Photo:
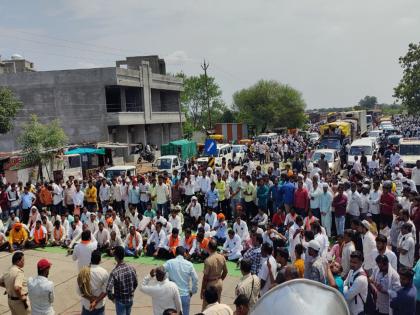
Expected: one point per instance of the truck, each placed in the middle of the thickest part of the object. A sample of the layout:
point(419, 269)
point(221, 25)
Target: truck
point(232, 132)
point(360, 116)
point(409, 150)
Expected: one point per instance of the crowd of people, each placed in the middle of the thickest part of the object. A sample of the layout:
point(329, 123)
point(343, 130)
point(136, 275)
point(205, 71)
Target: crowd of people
point(357, 233)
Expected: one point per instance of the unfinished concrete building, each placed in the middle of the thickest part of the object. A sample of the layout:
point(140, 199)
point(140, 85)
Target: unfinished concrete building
point(134, 102)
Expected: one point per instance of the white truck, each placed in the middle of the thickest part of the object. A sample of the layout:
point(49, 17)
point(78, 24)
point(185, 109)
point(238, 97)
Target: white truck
point(409, 153)
point(360, 116)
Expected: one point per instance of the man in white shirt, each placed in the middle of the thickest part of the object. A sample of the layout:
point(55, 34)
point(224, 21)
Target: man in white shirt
point(356, 284)
point(357, 166)
point(92, 223)
point(241, 229)
point(406, 246)
point(369, 246)
point(57, 196)
point(41, 290)
point(382, 249)
point(374, 199)
point(194, 210)
point(133, 243)
point(115, 195)
point(164, 293)
point(211, 218)
point(233, 246)
point(78, 197)
point(98, 281)
point(156, 241)
point(415, 175)
point(385, 279)
point(354, 204)
point(83, 251)
point(144, 194)
point(348, 248)
point(175, 219)
point(102, 236)
point(162, 196)
point(269, 266)
point(104, 195)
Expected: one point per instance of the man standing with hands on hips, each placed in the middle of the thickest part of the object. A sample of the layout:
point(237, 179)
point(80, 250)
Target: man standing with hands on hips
point(16, 286)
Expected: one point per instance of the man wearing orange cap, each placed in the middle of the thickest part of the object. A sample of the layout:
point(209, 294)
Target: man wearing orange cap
point(221, 229)
point(17, 237)
point(41, 290)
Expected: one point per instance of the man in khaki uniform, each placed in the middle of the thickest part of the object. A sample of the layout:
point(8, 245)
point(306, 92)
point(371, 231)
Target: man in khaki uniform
point(16, 286)
point(215, 271)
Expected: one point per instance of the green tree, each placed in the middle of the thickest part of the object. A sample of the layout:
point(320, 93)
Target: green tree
point(194, 100)
point(270, 104)
point(228, 116)
point(368, 102)
point(9, 107)
point(40, 142)
point(408, 90)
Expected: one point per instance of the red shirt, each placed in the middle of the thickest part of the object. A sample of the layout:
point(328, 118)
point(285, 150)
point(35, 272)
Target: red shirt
point(387, 203)
point(301, 199)
point(278, 220)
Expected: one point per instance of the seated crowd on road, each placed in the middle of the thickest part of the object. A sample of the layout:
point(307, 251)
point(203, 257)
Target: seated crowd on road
point(284, 218)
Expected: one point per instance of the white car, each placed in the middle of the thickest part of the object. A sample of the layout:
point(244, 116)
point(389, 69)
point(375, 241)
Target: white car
point(313, 137)
point(238, 153)
point(168, 163)
point(332, 158)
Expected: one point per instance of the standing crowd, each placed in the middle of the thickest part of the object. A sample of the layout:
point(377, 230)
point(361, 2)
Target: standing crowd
point(290, 219)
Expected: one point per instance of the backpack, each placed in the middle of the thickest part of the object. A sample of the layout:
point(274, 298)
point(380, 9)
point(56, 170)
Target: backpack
point(370, 303)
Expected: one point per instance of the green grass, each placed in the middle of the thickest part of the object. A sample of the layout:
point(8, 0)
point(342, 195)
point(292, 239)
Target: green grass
point(148, 261)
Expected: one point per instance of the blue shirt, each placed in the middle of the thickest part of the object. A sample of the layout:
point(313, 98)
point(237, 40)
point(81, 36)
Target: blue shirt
point(275, 194)
point(339, 282)
point(416, 279)
point(27, 200)
point(405, 302)
point(134, 196)
point(212, 198)
point(262, 195)
point(288, 192)
point(221, 230)
point(181, 271)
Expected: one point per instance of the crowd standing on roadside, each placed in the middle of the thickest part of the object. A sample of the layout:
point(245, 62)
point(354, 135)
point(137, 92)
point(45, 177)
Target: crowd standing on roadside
point(288, 217)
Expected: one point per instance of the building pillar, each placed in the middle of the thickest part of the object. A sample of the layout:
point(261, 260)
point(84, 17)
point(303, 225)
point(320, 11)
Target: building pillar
point(123, 100)
point(147, 92)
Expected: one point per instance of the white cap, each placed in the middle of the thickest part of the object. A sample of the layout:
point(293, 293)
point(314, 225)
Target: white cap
point(366, 224)
point(325, 185)
point(314, 245)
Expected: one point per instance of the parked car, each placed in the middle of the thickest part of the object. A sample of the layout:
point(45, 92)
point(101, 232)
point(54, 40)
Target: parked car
point(332, 157)
point(126, 171)
point(313, 137)
point(239, 153)
point(223, 151)
point(168, 163)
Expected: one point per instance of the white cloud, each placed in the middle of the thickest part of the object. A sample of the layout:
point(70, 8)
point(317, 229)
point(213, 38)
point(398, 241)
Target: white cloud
point(334, 52)
point(178, 57)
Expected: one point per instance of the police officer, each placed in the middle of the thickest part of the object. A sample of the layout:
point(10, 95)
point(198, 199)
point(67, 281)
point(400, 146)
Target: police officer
point(16, 286)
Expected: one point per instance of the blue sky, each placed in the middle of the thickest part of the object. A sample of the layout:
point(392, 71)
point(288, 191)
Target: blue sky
point(334, 52)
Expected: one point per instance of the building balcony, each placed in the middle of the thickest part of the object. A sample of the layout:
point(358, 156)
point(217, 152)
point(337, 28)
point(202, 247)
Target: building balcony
point(138, 118)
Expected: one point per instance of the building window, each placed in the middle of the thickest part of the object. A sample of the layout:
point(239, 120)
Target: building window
point(113, 99)
point(133, 99)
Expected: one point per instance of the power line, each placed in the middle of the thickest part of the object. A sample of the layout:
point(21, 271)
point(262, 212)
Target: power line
point(72, 41)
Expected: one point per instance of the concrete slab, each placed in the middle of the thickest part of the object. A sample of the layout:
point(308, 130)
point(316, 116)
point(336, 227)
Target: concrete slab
point(67, 302)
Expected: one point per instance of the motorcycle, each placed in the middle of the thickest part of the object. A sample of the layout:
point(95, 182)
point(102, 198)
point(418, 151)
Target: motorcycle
point(147, 156)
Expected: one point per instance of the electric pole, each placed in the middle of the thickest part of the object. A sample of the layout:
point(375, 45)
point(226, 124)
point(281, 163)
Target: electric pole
point(205, 66)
